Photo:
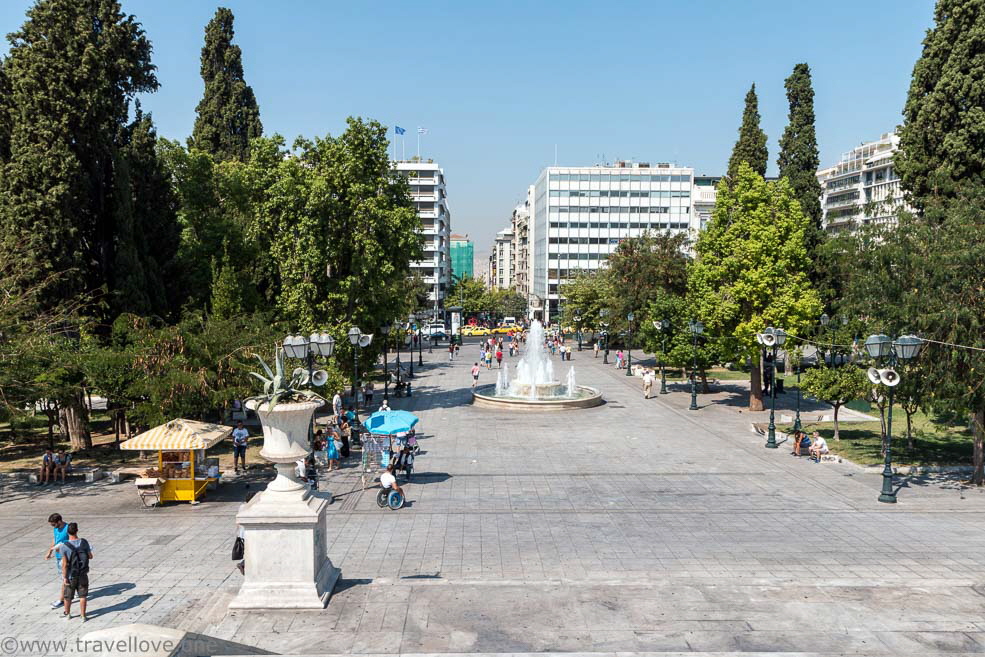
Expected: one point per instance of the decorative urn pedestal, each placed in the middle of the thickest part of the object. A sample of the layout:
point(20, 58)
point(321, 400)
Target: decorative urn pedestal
point(287, 564)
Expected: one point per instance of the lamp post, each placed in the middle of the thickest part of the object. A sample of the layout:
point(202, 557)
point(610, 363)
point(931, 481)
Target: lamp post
point(662, 325)
point(696, 328)
point(420, 339)
point(578, 326)
point(302, 348)
point(399, 340)
point(796, 422)
point(825, 320)
point(774, 338)
point(904, 348)
point(605, 334)
point(385, 331)
point(358, 341)
point(630, 316)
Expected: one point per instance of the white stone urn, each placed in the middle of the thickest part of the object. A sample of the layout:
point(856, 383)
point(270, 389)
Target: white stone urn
point(285, 530)
point(285, 437)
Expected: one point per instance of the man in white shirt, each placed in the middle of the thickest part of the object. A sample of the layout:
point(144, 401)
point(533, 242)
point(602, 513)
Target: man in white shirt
point(389, 480)
point(337, 406)
point(647, 383)
point(819, 446)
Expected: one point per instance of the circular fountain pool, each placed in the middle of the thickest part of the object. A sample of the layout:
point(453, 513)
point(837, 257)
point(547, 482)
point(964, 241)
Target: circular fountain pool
point(534, 386)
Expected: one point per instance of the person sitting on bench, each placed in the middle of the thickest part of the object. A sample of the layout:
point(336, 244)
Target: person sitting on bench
point(61, 464)
point(800, 441)
point(819, 446)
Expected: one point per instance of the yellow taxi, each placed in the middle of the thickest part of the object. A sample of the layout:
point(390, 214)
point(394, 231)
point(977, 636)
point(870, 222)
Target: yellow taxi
point(504, 330)
point(474, 330)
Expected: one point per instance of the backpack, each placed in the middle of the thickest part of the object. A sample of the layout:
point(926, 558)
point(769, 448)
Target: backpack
point(78, 559)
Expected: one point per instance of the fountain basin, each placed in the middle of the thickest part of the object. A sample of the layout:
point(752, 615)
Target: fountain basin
point(587, 397)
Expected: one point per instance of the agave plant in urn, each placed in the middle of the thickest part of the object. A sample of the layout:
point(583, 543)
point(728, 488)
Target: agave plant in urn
point(285, 410)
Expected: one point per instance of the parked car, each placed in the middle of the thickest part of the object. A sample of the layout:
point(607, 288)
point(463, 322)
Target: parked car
point(436, 330)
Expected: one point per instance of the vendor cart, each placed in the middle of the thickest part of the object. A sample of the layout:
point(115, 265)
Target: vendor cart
point(183, 469)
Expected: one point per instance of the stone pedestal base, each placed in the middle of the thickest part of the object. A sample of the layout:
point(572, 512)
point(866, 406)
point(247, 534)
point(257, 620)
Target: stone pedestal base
point(287, 564)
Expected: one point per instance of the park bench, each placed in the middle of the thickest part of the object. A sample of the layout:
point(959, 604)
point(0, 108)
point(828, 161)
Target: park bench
point(118, 475)
point(760, 429)
point(88, 475)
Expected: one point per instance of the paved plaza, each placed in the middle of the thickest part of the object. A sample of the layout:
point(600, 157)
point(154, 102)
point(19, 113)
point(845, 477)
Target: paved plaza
point(637, 526)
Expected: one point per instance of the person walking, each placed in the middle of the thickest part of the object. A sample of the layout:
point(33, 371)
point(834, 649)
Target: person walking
point(489, 357)
point(562, 349)
point(475, 374)
point(596, 348)
point(76, 554)
point(619, 359)
point(332, 450)
point(337, 405)
point(59, 531)
point(451, 351)
point(368, 392)
point(240, 439)
point(648, 379)
point(499, 358)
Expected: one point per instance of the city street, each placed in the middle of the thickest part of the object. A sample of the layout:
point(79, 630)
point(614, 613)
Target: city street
point(636, 526)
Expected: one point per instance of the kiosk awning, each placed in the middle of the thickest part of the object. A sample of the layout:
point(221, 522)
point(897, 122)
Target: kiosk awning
point(179, 434)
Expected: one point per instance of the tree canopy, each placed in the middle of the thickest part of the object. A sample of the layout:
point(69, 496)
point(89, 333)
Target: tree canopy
point(751, 145)
point(228, 114)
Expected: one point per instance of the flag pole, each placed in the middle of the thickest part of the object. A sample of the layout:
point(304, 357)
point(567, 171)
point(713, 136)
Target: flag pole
point(418, 143)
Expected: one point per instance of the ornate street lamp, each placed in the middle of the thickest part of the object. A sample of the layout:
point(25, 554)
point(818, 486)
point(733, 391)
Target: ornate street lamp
point(358, 341)
point(799, 366)
point(385, 331)
point(630, 316)
point(605, 334)
point(774, 338)
point(578, 326)
point(662, 325)
point(696, 328)
point(302, 348)
point(880, 347)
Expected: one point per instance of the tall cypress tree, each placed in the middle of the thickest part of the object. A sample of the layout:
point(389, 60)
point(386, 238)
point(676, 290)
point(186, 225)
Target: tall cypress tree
point(942, 141)
point(4, 115)
point(798, 159)
point(72, 71)
point(228, 114)
point(751, 145)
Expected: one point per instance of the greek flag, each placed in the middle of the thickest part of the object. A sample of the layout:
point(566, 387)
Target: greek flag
point(422, 131)
point(397, 129)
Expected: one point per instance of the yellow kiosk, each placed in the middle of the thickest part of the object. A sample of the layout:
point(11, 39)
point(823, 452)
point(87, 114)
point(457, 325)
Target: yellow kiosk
point(183, 471)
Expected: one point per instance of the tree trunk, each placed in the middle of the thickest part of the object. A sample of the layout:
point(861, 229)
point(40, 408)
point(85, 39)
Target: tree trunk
point(909, 431)
point(74, 422)
point(51, 414)
point(117, 424)
point(756, 388)
point(704, 383)
point(978, 455)
point(837, 408)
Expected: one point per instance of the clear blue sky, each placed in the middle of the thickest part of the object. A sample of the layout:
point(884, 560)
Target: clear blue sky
point(498, 84)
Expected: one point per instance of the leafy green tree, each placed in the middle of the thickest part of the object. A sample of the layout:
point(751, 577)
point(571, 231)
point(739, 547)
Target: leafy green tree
point(941, 143)
point(750, 269)
point(799, 159)
point(228, 114)
point(643, 267)
point(928, 277)
point(588, 291)
point(506, 303)
point(73, 69)
point(227, 297)
point(751, 145)
point(836, 386)
point(469, 293)
point(681, 351)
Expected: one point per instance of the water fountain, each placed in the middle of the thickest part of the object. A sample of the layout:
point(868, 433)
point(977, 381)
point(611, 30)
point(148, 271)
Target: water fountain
point(534, 386)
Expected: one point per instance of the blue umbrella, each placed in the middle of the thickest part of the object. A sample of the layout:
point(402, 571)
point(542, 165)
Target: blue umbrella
point(390, 422)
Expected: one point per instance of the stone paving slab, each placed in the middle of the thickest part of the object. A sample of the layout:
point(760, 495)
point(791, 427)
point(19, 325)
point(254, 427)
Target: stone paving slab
point(635, 527)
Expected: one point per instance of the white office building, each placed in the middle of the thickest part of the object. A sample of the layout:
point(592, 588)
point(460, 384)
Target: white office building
point(503, 261)
point(862, 187)
point(427, 189)
point(580, 214)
